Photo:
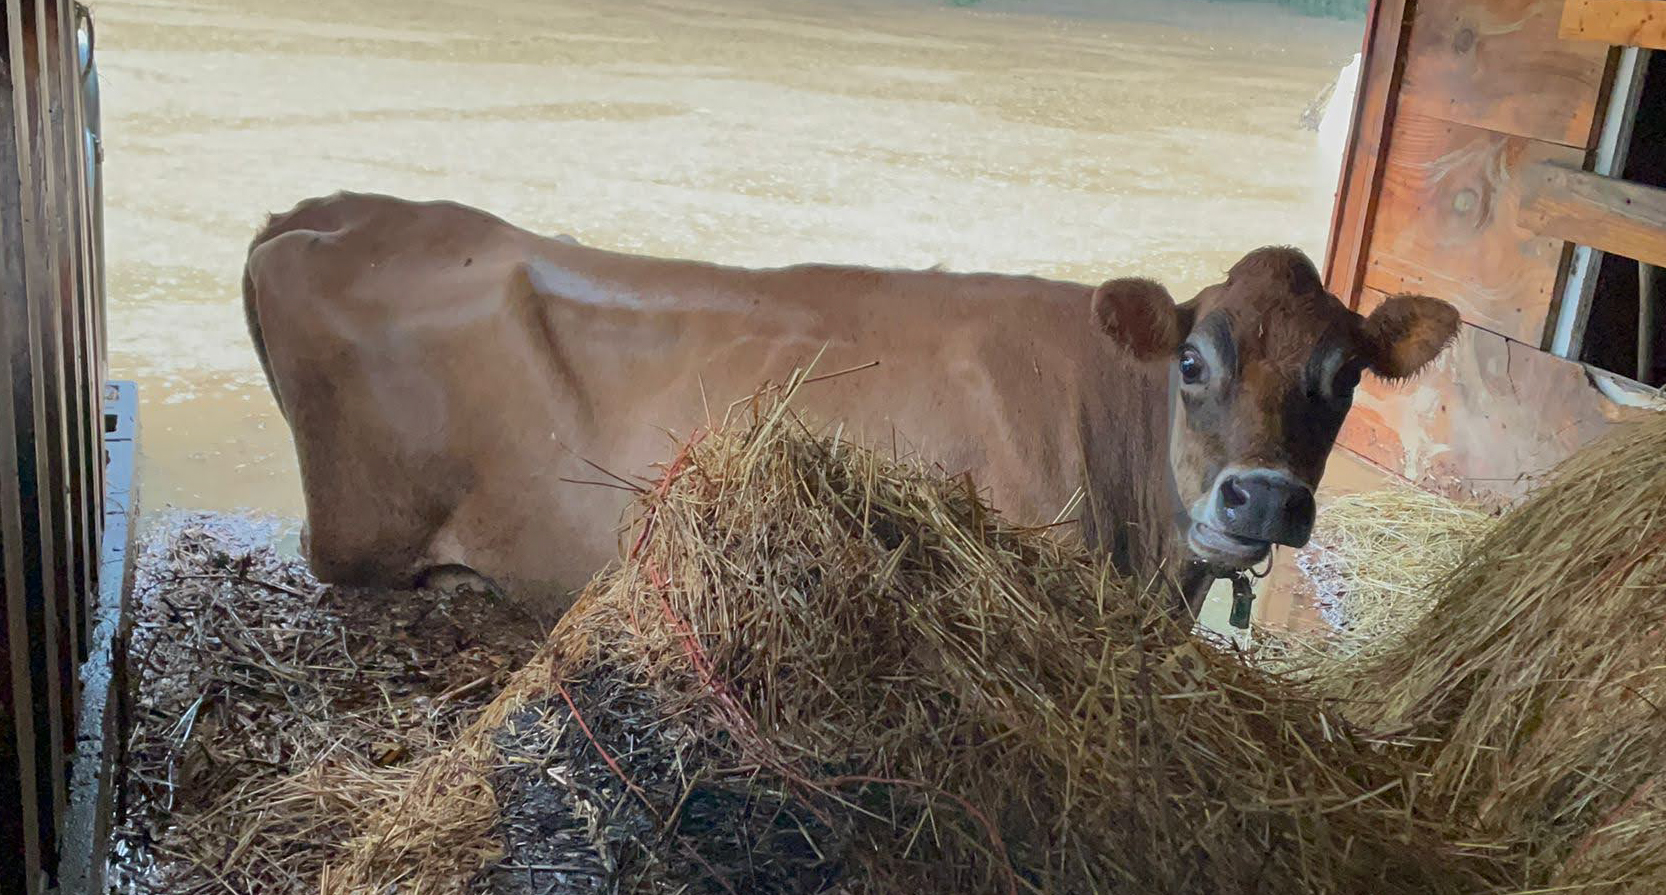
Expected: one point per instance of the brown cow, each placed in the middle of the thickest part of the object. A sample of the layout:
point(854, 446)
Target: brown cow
point(447, 375)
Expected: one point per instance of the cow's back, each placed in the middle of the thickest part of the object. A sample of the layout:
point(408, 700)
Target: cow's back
point(451, 379)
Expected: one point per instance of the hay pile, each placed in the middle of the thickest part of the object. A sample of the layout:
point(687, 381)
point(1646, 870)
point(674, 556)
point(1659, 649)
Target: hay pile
point(1374, 558)
point(266, 708)
point(820, 670)
point(1539, 677)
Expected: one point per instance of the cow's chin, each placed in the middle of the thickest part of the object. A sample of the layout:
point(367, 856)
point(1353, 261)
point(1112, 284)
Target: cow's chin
point(1223, 550)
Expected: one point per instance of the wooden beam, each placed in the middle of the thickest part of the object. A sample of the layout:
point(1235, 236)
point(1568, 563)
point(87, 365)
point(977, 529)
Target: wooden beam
point(1381, 64)
point(1631, 23)
point(1627, 219)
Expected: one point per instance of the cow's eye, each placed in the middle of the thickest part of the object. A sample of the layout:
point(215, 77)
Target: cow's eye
point(1192, 368)
point(1346, 379)
point(1343, 382)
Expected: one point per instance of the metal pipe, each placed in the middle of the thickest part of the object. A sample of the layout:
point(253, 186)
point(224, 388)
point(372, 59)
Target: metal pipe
point(1649, 280)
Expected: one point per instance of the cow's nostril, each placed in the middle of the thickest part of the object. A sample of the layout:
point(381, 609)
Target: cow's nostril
point(1233, 496)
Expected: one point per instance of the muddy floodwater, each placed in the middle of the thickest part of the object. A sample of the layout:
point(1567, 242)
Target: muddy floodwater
point(1081, 140)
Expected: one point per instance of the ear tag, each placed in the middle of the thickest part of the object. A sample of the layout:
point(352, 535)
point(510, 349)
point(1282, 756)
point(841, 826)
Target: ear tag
point(1243, 600)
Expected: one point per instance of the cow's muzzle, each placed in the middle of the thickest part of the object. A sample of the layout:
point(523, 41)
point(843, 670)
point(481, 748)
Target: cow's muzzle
point(1248, 511)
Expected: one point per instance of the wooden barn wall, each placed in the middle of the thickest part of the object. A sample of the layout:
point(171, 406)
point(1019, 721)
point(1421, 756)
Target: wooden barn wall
point(52, 456)
point(1458, 98)
point(1491, 410)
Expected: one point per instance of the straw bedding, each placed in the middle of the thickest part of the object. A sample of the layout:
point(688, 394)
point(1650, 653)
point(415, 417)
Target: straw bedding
point(868, 682)
point(1373, 557)
point(268, 711)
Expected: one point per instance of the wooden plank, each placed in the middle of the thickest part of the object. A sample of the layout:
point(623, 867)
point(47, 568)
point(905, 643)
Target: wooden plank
point(1447, 225)
point(90, 429)
point(51, 414)
point(1629, 219)
point(19, 808)
point(1628, 23)
point(1356, 198)
point(1488, 416)
point(94, 118)
point(1502, 65)
point(59, 387)
point(33, 677)
point(78, 550)
point(89, 289)
point(19, 839)
point(29, 316)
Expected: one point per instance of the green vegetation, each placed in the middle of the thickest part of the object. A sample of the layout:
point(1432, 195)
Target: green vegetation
point(1332, 9)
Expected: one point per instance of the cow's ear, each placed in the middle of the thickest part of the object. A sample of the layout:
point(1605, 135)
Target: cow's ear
point(1139, 315)
point(1406, 332)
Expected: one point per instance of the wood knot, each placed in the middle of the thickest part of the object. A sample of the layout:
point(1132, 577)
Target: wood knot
point(1464, 41)
point(1464, 201)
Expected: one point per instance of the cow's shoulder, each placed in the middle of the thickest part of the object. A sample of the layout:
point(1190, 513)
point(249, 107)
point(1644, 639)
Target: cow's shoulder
point(372, 223)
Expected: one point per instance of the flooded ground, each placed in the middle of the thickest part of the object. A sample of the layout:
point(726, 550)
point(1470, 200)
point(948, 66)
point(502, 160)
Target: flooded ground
point(1080, 140)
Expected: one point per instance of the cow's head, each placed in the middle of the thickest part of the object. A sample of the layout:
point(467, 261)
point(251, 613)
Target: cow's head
point(1263, 369)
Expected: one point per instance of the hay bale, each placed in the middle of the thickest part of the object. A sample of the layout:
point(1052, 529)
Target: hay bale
point(1537, 679)
point(942, 701)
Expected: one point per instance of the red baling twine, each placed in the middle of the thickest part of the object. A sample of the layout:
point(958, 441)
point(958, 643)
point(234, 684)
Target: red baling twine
point(732, 714)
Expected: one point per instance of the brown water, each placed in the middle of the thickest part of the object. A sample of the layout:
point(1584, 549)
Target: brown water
point(1083, 141)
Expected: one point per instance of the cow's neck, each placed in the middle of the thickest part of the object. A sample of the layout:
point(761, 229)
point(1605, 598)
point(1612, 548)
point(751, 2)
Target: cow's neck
point(1133, 511)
